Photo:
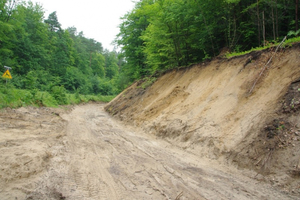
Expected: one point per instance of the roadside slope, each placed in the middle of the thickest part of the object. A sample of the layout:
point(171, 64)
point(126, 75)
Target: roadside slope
point(207, 108)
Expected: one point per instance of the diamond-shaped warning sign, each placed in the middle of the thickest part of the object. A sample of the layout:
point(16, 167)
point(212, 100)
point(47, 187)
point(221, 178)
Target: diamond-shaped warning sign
point(7, 74)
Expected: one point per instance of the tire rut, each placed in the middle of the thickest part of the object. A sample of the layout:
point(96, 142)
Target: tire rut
point(101, 158)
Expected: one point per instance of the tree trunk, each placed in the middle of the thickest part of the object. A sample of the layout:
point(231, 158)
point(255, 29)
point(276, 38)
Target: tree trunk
point(264, 28)
point(273, 21)
point(277, 25)
point(233, 41)
point(258, 22)
point(9, 13)
point(297, 2)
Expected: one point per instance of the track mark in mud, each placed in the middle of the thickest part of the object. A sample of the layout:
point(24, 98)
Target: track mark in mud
point(99, 158)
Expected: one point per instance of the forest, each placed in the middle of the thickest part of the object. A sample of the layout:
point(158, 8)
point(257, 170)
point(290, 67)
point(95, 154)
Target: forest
point(156, 35)
point(164, 34)
point(44, 57)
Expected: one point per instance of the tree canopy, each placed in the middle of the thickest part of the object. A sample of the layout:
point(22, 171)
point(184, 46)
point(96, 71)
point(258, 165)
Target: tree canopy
point(43, 55)
point(163, 34)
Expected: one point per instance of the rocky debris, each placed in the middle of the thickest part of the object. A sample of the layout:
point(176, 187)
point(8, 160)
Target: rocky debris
point(291, 102)
point(283, 133)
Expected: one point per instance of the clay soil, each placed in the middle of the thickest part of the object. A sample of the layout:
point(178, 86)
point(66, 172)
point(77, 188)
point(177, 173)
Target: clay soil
point(81, 152)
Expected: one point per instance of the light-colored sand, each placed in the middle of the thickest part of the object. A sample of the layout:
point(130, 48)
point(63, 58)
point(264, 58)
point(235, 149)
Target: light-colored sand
point(96, 157)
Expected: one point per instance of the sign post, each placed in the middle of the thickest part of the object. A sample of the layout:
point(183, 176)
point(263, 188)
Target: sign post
point(7, 74)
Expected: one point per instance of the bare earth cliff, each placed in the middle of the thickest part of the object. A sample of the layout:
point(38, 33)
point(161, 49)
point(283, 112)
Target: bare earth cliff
point(208, 110)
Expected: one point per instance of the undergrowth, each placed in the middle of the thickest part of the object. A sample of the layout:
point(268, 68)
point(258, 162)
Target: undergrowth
point(14, 98)
point(288, 42)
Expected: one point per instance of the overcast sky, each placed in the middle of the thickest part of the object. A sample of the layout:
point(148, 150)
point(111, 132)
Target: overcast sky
point(98, 19)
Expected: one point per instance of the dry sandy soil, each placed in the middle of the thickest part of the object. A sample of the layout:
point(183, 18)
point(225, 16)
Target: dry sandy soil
point(196, 133)
point(83, 153)
point(208, 110)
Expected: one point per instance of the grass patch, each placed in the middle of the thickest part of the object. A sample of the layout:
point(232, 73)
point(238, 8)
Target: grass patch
point(14, 98)
point(233, 54)
point(288, 42)
point(291, 41)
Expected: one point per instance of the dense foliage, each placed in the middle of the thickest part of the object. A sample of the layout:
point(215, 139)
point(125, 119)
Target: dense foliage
point(163, 34)
point(45, 57)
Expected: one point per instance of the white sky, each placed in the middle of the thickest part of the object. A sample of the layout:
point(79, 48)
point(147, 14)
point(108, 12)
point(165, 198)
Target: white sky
point(98, 19)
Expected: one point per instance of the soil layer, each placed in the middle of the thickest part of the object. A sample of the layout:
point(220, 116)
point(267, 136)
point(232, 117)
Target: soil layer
point(210, 109)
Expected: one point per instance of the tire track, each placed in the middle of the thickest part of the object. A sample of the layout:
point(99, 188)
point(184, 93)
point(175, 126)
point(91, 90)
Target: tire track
point(103, 159)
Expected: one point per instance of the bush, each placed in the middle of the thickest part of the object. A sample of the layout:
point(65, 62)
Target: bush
point(59, 94)
point(43, 99)
point(14, 98)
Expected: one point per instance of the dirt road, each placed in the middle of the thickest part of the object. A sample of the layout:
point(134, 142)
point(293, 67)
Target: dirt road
point(85, 154)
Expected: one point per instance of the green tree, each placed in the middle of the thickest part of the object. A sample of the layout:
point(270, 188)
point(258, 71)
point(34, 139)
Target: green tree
point(7, 35)
point(30, 45)
point(98, 64)
point(111, 64)
point(52, 21)
point(129, 39)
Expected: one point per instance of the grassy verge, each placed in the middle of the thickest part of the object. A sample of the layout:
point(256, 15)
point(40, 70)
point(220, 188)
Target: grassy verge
point(14, 98)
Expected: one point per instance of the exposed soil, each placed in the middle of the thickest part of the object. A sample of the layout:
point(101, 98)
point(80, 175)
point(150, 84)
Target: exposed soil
point(82, 153)
point(196, 133)
point(207, 109)
point(275, 151)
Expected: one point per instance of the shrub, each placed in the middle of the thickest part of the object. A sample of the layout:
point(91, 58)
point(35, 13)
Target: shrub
point(59, 94)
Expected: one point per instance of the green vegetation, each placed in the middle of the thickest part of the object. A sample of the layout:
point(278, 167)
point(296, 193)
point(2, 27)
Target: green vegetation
point(53, 66)
point(286, 43)
point(158, 35)
point(291, 41)
point(12, 97)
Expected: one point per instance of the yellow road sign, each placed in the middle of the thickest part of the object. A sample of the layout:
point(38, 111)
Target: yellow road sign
point(7, 74)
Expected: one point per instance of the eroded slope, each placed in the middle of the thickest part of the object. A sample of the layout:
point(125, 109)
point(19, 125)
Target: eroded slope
point(207, 108)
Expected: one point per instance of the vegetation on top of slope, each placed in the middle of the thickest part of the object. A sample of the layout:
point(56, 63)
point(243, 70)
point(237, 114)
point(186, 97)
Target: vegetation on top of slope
point(288, 42)
point(147, 81)
point(162, 35)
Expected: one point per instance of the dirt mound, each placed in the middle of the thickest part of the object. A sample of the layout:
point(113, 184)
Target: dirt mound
point(207, 109)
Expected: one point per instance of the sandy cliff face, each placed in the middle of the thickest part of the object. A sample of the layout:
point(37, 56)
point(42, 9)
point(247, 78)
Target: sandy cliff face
point(207, 108)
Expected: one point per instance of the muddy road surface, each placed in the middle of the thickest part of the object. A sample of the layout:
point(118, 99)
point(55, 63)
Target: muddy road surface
point(83, 153)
